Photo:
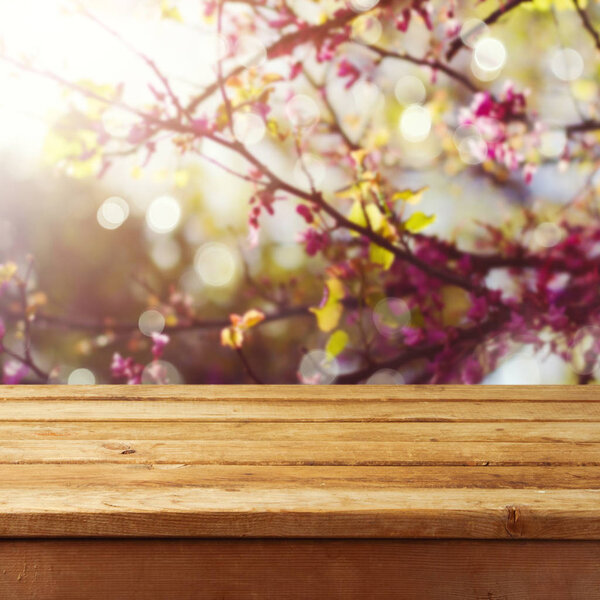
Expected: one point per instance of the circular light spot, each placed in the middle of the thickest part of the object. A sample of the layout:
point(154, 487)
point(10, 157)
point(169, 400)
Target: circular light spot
point(363, 5)
point(116, 122)
point(521, 371)
point(166, 253)
point(386, 377)
point(250, 51)
point(215, 264)
point(547, 235)
point(415, 123)
point(310, 170)
point(150, 322)
point(161, 372)
point(390, 315)
point(489, 54)
point(302, 111)
point(585, 350)
point(163, 214)
point(410, 90)
point(472, 31)
point(367, 29)
point(472, 150)
point(566, 64)
point(248, 128)
point(318, 367)
point(365, 94)
point(113, 212)
point(289, 257)
point(552, 143)
point(81, 377)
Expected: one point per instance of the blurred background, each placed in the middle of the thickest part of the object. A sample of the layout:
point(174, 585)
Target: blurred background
point(152, 237)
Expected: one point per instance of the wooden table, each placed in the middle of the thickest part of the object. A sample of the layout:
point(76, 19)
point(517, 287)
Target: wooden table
point(300, 492)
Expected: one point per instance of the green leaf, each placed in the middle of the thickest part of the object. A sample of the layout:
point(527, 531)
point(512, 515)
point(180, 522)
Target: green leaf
point(381, 256)
point(418, 221)
point(337, 342)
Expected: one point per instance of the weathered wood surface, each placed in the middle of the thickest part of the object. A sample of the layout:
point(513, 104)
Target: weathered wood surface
point(300, 461)
point(298, 570)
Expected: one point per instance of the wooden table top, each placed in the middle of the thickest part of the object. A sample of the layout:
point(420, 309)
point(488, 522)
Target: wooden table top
point(300, 461)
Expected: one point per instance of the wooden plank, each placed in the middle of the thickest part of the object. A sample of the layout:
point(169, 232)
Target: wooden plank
point(301, 512)
point(300, 393)
point(283, 410)
point(82, 476)
point(556, 432)
point(298, 453)
point(298, 569)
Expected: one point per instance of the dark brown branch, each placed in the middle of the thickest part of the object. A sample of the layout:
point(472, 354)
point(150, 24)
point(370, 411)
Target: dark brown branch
point(589, 125)
point(248, 367)
point(587, 23)
point(428, 62)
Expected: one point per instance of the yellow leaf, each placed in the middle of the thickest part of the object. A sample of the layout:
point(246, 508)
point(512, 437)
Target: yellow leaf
point(271, 78)
point(328, 315)
point(7, 271)
point(181, 177)
point(337, 342)
point(418, 221)
point(167, 11)
point(359, 215)
point(232, 337)
point(381, 256)
point(251, 318)
point(359, 155)
point(410, 196)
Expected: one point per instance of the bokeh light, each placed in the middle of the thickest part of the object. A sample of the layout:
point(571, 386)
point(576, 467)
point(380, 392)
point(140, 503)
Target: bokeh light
point(113, 212)
point(410, 90)
point(415, 123)
point(318, 367)
point(386, 377)
point(249, 129)
point(215, 264)
point(151, 322)
point(567, 64)
point(161, 372)
point(302, 111)
point(390, 315)
point(363, 5)
point(163, 214)
point(81, 377)
point(547, 235)
point(489, 55)
point(471, 31)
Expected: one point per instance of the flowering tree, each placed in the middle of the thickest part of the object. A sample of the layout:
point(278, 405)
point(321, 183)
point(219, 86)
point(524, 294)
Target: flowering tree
point(308, 108)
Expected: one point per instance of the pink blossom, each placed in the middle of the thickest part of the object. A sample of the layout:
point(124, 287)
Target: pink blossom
point(159, 342)
point(14, 372)
point(314, 241)
point(347, 69)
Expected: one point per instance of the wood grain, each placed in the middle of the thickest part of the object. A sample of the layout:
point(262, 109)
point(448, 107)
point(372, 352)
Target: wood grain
point(300, 461)
point(324, 452)
point(299, 393)
point(291, 411)
point(298, 569)
point(553, 432)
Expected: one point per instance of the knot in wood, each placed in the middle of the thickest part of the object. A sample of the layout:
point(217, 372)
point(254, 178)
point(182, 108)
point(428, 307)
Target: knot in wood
point(514, 522)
